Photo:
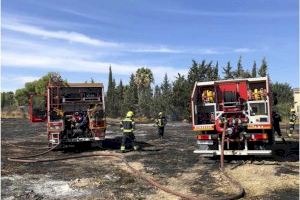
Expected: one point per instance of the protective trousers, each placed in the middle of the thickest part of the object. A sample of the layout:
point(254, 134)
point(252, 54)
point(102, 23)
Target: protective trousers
point(161, 131)
point(128, 138)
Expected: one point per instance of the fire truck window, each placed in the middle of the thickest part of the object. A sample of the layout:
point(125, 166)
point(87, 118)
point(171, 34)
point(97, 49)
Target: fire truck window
point(258, 109)
point(73, 95)
point(205, 114)
point(90, 95)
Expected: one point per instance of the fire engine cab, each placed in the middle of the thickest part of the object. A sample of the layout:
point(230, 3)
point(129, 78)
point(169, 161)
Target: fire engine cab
point(242, 107)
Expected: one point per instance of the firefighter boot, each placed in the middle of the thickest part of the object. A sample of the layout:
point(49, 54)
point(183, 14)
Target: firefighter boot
point(122, 149)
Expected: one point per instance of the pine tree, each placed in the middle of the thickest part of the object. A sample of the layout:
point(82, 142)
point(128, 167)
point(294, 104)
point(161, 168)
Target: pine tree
point(166, 89)
point(209, 75)
point(114, 102)
point(216, 72)
point(181, 97)
point(119, 98)
point(239, 73)
point(130, 97)
point(110, 94)
point(253, 74)
point(263, 70)
point(193, 74)
point(228, 74)
point(157, 101)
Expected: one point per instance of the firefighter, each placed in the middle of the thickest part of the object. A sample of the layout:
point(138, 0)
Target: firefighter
point(292, 121)
point(276, 124)
point(127, 125)
point(256, 94)
point(210, 96)
point(160, 122)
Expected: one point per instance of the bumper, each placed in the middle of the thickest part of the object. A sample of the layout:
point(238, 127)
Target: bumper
point(74, 140)
point(211, 153)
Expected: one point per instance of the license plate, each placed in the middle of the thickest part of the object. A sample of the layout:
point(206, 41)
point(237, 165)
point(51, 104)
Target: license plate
point(207, 142)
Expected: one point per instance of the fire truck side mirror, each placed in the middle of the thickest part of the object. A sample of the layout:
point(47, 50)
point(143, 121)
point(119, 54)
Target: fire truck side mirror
point(37, 108)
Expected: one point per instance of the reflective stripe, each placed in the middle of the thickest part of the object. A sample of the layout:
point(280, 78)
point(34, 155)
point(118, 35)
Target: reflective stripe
point(127, 125)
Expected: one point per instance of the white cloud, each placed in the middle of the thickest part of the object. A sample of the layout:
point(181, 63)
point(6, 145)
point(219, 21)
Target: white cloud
point(63, 35)
point(193, 12)
point(31, 61)
point(17, 25)
point(156, 50)
point(12, 82)
point(19, 78)
point(243, 50)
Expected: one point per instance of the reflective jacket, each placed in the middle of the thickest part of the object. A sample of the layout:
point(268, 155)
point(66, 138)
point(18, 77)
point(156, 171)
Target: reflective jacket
point(293, 119)
point(161, 122)
point(127, 125)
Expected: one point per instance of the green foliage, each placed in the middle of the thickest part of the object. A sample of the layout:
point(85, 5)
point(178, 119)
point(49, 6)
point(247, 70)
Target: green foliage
point(37, 87)
point(22, 96)
point(227, 71)
point(285, 98)
point(157, 104)
point(202, 72)
point(130, 97)
point(110, 95)
point(8, 100)
point(263, 70)
point(254, 73)
point(239, 71)
point(119, 99)
point(166, 96)
point(143, 79)
point(181, 98)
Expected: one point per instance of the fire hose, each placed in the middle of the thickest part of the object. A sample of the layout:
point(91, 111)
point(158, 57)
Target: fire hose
point(137, 173)
point(241, 190)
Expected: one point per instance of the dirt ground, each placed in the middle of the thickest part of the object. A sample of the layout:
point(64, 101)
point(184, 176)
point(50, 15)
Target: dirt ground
point(170, 161)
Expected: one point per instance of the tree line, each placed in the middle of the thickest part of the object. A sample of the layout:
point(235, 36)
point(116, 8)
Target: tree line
point(147, 99)
point(172, 98)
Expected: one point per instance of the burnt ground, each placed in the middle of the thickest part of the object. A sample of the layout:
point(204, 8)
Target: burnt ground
point(170, 161)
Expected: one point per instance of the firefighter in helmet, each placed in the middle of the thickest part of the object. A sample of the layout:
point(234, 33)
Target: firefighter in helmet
point(161, 122)
point(127, 125)
point(292, 122)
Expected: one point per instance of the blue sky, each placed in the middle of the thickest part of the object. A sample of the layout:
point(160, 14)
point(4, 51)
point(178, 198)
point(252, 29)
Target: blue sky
point(80, 39)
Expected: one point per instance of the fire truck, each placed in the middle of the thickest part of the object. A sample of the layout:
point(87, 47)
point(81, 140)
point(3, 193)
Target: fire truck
point(74, 112)
point(240, 106)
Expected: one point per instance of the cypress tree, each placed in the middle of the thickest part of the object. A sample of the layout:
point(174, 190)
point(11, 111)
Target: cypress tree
point(228, 74)
point(253, 74)
point(239, 71)
point(110, 94)
point(166, 89)
point(263, 70)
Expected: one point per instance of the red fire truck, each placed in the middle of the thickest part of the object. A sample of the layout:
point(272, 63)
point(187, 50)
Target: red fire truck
point(243, 107)
point(74, 112)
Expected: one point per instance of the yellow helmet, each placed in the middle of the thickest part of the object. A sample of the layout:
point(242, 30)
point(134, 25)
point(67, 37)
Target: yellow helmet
point(293, 110)
point(129, 114)
point(160, 114)
point(255, 90)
